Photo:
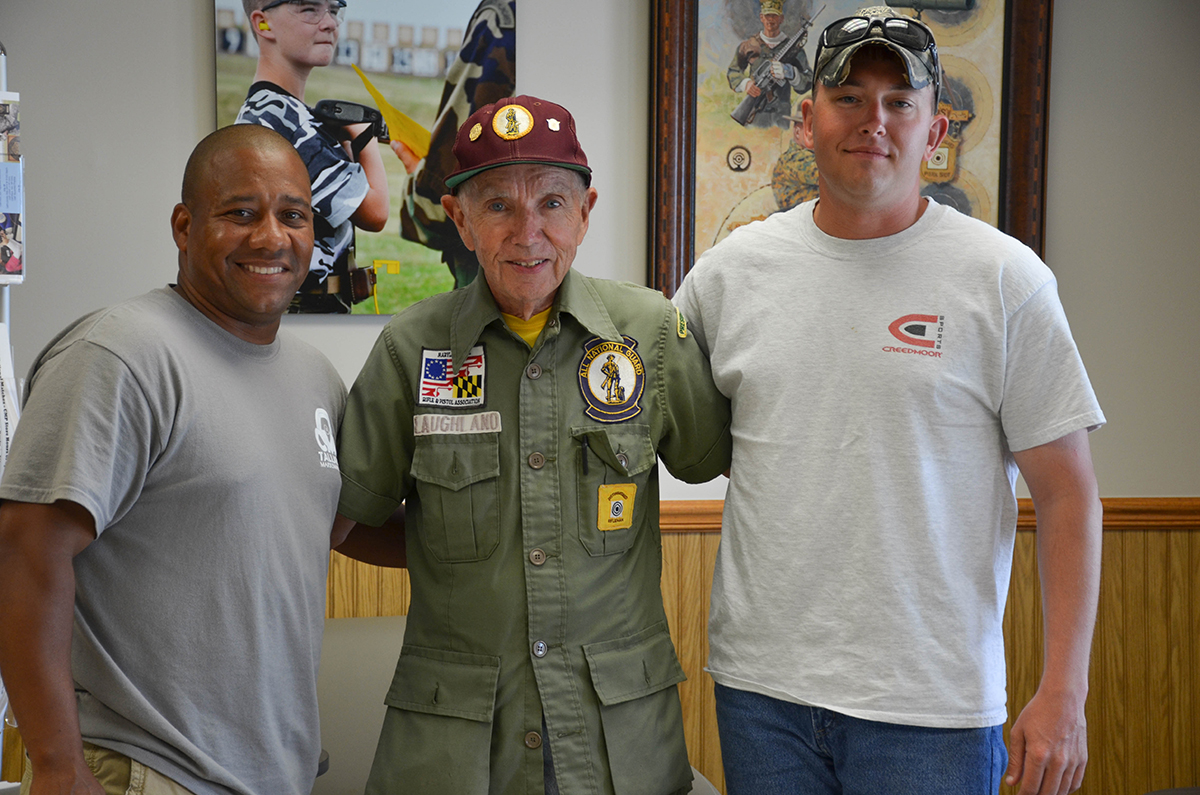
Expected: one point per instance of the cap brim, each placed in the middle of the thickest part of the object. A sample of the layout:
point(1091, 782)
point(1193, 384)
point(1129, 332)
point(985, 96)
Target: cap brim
point(459, 177)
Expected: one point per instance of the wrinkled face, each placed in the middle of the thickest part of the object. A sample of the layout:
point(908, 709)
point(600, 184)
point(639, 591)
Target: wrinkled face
point(524, 222)
point(870, 135)
point(245, 245)
point(771, 23)
point(302, 40)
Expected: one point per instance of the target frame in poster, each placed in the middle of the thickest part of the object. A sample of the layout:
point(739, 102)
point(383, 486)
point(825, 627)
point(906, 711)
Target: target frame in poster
point(1019, 192)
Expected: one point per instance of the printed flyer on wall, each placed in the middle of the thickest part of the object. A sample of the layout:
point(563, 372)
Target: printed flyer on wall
point(12, 192)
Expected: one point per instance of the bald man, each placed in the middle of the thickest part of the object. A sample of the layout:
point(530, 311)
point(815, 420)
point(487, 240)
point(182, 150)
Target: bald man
point(168, 505)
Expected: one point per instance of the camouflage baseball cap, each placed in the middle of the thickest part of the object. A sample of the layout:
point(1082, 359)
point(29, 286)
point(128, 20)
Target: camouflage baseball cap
point(520, 129)
point(771, 7)
point(878, 25)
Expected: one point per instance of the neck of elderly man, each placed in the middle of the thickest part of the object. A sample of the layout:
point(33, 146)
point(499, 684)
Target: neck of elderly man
point(524, 221)
point(869, 137)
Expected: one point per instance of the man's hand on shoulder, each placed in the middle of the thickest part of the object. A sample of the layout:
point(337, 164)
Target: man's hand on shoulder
point(1048, 746)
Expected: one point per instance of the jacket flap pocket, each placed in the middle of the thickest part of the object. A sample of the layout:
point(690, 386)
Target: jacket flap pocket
point(626, 448)
point(442, 682)
point(632, 667)
point(455, 462)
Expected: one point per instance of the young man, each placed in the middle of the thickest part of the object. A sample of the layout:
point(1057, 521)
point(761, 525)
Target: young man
point(522, 417)
point(349, 184)
point(893, 365)
point(168, 505)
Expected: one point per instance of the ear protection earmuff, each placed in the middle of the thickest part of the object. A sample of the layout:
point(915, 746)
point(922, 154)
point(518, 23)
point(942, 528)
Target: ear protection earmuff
point(262, 25)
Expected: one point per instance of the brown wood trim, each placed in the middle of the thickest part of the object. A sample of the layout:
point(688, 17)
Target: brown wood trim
point(1121, 514)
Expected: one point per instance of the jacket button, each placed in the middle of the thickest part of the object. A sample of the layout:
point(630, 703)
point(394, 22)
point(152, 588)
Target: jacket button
point(533, 740)
point(537, 557)
point(623, 460)
point(537, 460)
point(533, 372)
point(552, 322)
point(539, 648)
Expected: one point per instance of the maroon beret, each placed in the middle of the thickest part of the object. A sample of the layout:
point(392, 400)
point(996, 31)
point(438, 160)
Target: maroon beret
point(517, 130)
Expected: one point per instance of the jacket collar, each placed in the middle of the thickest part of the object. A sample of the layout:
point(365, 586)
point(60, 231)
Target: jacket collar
point(577, 297)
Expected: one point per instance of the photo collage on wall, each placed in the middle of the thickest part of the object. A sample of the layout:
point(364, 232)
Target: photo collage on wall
point(12, 191)
point(419, 68)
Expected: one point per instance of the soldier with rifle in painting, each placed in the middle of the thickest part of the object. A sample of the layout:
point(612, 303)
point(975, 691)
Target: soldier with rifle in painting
point(767, 67)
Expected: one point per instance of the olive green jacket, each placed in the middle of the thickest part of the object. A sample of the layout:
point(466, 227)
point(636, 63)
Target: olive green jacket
point(532, 535)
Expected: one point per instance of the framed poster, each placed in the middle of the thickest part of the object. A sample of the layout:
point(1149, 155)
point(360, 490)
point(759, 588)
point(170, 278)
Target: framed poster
point(429, 61)
point(995, 57)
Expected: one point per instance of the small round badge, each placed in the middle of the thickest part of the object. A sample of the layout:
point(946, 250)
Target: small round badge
point(476, 131)
point(512, 122)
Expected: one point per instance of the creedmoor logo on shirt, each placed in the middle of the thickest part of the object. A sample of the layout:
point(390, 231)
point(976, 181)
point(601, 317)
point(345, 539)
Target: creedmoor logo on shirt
point(921, 334)
point(326, 441)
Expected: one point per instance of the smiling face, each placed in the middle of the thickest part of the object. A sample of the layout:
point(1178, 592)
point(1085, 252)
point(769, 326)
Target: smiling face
point(245, 238)
point(870, 135)
point(524, 222)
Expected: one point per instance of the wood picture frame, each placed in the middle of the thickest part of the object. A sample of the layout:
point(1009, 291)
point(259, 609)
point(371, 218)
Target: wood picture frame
point(673, 92)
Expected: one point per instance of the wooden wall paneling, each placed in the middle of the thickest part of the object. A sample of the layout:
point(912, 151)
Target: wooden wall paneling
point(1134, 641)
point(1158, 660)
point(709, 740)
point(1181, 661)
point(1108, 663)
point(12, 755)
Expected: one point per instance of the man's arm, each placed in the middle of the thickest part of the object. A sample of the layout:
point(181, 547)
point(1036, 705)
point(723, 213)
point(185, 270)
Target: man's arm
point(372, 213)
point(379, 546)
point(1048, 745)
point(37, 600)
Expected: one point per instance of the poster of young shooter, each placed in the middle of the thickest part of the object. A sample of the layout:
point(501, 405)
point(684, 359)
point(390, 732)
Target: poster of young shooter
point(409, 70)
point(750, 161)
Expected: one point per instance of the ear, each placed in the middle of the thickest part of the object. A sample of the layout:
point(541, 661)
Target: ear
point(585, 210)
point(259, 25)
point(806, 113)
point(181, 226)
point(938, 127)
point(454, 210)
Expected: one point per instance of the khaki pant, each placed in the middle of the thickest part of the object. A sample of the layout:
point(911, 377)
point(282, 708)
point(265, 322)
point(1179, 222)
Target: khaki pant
point(118, 774)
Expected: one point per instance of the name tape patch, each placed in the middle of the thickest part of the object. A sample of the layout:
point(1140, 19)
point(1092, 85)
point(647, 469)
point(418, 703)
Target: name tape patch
point(454, 424)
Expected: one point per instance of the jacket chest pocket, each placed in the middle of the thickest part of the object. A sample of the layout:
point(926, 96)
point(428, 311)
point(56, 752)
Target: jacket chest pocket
point(458, 483)
point(613, 472)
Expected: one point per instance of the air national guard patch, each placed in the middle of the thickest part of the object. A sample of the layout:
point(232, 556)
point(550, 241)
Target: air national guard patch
point(611, 378)
point(440, 387)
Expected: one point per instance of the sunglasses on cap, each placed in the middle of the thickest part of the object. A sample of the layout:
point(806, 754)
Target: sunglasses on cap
point(905, 32)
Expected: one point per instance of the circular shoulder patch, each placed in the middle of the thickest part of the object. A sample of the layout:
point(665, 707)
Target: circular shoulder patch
point(611, 379)
point(476, 131)
point(512, 122)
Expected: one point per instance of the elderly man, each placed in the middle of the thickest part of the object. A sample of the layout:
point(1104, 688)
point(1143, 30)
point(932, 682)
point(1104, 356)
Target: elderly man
point(168, 500)
point(918, 359)
point(521, 418)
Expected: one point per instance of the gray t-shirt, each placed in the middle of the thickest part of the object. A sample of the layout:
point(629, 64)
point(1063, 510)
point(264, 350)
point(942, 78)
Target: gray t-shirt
point(879, 388)
point(208, 464)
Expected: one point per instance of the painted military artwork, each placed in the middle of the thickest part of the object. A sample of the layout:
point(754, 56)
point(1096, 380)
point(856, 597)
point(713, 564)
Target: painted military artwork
point(433, 63)
point(750, 161)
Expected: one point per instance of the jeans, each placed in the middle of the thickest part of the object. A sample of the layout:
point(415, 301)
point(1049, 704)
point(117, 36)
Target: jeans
point(774, 747)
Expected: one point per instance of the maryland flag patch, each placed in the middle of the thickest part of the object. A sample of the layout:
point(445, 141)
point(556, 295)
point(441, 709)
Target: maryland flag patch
point(441, 387)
